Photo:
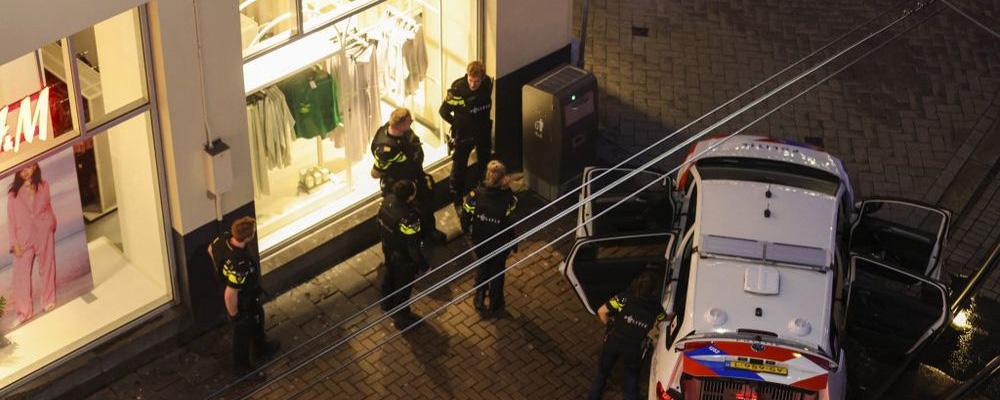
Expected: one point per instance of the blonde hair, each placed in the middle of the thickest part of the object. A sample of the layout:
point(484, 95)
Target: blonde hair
point(496, 175)
point(399, 115)
point(476, 69)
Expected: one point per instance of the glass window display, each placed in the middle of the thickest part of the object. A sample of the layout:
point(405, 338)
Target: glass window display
point(314, 104)
point(265, 23)
point(71, 271)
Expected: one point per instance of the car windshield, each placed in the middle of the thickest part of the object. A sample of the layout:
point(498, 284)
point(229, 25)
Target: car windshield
point(768, 171)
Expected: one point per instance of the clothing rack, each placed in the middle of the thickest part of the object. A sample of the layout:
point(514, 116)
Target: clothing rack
point(393, 11)
point(260, 95)
point(270, 25)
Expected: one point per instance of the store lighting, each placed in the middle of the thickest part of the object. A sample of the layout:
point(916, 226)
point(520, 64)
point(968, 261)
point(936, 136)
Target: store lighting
point(961, 320)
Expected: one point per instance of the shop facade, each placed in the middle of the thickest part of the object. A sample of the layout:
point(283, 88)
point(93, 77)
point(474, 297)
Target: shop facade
point(86, 250)
point(114, 105)
point(321, 77)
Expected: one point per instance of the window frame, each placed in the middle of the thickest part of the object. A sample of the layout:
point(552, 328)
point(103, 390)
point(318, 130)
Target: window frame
point(150, 107)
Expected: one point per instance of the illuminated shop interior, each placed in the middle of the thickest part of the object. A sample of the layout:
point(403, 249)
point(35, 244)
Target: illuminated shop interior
point(317, 89)
point(108, 273)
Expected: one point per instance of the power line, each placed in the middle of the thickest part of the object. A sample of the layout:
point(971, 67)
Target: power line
point(624, 199)
point(657, 159)
point(618, 203)
point(970, 18)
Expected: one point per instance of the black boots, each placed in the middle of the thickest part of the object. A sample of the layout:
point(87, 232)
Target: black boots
point(478, 301)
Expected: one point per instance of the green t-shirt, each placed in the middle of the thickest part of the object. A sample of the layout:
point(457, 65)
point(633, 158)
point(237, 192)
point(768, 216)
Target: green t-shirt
point(312, 99)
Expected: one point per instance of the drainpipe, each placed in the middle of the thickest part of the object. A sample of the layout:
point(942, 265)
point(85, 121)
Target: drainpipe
point(583, 33)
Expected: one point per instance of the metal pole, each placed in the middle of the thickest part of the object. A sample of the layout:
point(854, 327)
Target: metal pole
point(583, 33)
point(976, 281)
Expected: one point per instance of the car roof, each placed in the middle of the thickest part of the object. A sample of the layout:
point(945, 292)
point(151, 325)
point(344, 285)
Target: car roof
point(793, 225)
point(771, 149)
point(727, 294)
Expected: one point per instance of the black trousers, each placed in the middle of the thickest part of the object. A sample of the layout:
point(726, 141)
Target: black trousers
point(248, 330)
point(631, 353)
point(486, 270)
point(480, 141)
point(397, 275)
point(424, 199)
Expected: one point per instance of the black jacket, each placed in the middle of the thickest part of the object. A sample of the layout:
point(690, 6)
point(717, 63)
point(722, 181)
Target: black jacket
point(485, 212)
point(238, 268)
point(468, 111)
point(399, 228)
point(398, 157)
point(632, 319)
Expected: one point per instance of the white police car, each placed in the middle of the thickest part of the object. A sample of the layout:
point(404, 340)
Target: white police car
point(769, 268)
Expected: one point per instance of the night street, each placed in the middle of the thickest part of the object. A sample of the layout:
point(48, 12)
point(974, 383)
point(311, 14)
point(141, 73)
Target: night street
point(818, 205)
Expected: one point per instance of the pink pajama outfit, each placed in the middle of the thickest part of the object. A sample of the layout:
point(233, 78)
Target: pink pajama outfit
point(32, 225)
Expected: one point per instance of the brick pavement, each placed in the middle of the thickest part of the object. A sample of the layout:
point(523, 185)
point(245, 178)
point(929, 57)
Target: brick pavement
point(916, 119)
point(545, 347)
point(908, 122)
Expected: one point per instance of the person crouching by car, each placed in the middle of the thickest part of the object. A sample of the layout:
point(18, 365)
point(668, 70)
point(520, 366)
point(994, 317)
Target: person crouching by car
point(629, 317)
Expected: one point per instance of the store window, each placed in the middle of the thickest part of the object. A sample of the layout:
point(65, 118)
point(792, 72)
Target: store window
point(265, 23)
point(72, 270)
point(112, 74)
point(314, 104)
point(35, 106)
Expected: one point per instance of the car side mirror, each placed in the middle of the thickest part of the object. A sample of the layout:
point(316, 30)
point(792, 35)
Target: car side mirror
point(869, 208)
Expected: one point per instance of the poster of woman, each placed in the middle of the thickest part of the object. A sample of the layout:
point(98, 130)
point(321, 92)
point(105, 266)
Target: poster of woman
point(44, 260)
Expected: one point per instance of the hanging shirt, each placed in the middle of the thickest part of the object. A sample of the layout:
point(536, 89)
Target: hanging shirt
point(271, 129)
point(415, 55)
point(310, 98)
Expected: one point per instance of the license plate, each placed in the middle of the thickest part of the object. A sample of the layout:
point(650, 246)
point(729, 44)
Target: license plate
point(765, 368)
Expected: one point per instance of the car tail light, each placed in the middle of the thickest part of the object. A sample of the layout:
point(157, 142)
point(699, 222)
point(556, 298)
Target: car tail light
point(696, 345)
point(665, 394)
point(746, 394)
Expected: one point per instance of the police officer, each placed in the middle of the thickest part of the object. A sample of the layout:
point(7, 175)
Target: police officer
point(399, 227)
point(485, 212)
point(629, 318)
point(399, 156)
point(240, 270)
point(467, 109)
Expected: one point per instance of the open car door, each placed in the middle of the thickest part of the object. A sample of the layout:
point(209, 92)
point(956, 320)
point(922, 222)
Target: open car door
point(891, 311)
point(903, 234)
point(651, 210)
point(598, 268)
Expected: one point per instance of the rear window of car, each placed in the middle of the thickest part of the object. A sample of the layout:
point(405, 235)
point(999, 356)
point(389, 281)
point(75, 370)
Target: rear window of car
point(768, 171)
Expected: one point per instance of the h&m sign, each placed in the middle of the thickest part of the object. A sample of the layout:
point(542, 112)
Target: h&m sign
point(28, 123)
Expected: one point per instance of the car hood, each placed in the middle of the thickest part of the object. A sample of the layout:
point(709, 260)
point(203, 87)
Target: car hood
point(721, 359)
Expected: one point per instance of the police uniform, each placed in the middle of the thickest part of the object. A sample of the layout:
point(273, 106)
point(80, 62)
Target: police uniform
point(399, 227)
point(468, 112)
point(485, 212)
point(632, 319)
point(241, 271)
point(398, 158)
